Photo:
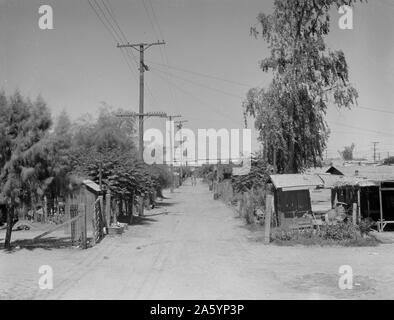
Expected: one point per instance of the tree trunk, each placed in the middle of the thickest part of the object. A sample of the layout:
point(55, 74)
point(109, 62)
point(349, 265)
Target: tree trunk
point(291, 168)
point(10, 224)
point(290, 165)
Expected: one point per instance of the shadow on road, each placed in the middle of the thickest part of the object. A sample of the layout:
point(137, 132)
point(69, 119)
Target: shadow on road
point(143, 220)
point(49, 243)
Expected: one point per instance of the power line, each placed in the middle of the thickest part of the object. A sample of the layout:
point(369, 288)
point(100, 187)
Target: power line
point(102, 21)
point(112, 15)
point(202, 102)
point(119, 36)
point(201, 85)
point(376, 110)
point(363, 129)
point(203, 75)
point(163, 54)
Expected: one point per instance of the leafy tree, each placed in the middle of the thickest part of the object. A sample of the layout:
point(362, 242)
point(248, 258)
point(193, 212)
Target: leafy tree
point(347, 152)
point(389, 161)
point(112, 156)
point(58, 147)
point(289, 114)
point(23, 125)
point(257, 176)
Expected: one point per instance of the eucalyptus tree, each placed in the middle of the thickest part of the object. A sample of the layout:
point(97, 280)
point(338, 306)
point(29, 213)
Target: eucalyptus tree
point(307, 78)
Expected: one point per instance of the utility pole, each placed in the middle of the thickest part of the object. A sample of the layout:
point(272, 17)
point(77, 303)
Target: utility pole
point(141, 48)
point(172, 150)
point(179, 127)
point(374, 151)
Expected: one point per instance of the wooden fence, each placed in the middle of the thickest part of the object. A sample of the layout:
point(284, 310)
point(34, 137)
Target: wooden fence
point(80, 219)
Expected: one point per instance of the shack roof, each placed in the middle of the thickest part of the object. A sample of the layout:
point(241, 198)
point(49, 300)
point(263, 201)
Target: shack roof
point(92, 185)
point(333, 181)
point(371, 172)
point(288, 182)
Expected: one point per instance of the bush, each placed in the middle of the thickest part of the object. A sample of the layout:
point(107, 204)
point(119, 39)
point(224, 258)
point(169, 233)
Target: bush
point(340, 231)
point(344, 234)
point(250, 203)
point(365, 226)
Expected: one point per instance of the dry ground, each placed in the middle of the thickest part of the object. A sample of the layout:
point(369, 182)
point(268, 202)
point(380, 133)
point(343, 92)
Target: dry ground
point(194, 247)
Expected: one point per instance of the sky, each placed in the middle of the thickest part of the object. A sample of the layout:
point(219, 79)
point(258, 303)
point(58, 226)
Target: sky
point(202, 73)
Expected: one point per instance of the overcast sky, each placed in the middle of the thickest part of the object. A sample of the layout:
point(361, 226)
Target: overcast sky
point(77, 65)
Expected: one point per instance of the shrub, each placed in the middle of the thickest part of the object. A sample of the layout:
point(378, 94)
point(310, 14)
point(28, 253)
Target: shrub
point(365, 226)
point(345, 234)
point(340, 231)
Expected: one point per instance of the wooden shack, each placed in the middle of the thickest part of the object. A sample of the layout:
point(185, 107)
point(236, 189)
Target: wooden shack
point(86, 192)
point(371, 187)
point(292, 200)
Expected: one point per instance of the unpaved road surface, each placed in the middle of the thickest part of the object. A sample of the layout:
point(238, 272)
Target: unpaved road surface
point(194, 247)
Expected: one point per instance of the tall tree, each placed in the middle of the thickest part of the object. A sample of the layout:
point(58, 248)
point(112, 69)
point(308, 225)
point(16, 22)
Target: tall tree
point(347, 152)
point(290, 113)
point(23, 125)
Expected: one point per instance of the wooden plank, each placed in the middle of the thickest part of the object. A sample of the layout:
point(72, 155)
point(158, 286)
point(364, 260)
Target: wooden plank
point(67, 215)
point(381, 207)
point(267, 219)
point(354, 214)
point(83, 228)
point(108, 208)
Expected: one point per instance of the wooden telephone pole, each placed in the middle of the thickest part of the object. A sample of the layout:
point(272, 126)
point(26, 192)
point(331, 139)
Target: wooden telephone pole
point(374, 151)
point(179, 125)
point(171, 134)
point(141, 48)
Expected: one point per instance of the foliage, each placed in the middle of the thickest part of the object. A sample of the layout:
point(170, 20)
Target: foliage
point(38, 160)
point(206, 172)
point(340, 231)
point(23, 162)
point(251, 201)
point(345, 234)
point(256, 178)
point(112, 156)
point(389, 161)
point(365, 225)
point(289, 114)
point(347, 152)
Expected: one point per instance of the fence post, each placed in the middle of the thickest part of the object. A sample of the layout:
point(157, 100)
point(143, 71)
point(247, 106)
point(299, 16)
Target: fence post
point(67, 215)
point(108, 208)
point(354, 214)
point(267, 218)
point(94, 227)
point(359, 206)
point(82, 223)
point(45, 209)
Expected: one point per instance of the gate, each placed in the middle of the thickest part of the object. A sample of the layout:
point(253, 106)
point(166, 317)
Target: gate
point(98, 221)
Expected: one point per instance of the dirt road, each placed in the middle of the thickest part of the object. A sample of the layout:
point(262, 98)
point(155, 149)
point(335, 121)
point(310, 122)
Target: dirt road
point(194, 247)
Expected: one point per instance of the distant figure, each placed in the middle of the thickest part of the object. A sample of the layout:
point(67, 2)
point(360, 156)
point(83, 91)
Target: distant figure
point(194, 180)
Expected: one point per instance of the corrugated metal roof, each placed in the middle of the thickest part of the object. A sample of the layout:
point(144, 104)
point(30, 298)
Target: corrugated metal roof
point(296, 180)
point(332, 180)
point(317, 170)
point(92, 185)
point(378, 173)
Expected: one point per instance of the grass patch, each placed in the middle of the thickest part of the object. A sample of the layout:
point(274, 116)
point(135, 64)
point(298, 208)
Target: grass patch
point(341, 234)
